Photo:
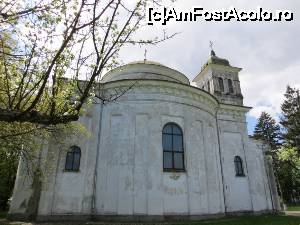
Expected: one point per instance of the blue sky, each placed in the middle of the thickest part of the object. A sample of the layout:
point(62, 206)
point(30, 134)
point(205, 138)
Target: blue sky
point(268, 52)
point(251, 122)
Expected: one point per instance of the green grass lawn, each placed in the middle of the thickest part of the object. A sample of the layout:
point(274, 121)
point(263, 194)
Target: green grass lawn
point(243, 220)
point(293, 208)
point(250, 220)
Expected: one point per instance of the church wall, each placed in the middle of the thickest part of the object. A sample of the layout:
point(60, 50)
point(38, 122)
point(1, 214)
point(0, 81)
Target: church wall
point(22, 190)
point(121, 167)
point(65, 192)
point(132, 181)
point(140, 161)
point(236, 187)
point(26, 190)
point(124, 156)
point(250, 192)
point(175, 187)
point(259, 185)
point(202, 82)
point(130, 178)
point(196, 156)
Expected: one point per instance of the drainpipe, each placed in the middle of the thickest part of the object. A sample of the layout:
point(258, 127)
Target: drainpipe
point(220, 154)
point(93, 208)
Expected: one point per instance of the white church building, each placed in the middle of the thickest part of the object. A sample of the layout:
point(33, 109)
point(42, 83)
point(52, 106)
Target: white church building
point(165, 149)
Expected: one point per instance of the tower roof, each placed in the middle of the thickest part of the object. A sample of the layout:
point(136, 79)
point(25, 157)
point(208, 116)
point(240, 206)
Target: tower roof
point(216, 63)
point(214, 59)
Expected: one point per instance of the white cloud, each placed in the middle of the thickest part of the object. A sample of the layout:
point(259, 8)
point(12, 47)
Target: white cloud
point(256, 112)
point(268, 52)
point(265, 91)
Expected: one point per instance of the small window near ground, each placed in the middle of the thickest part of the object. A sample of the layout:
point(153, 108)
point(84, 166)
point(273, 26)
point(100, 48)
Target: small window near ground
point(238, 164)
point(73, 159)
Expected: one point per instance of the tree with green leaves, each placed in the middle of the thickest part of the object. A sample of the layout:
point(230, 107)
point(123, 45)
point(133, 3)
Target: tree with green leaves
point(23, 141)
point(288, 173)
point(53, 54)
point(290, 119)
point(51, 41)
point(289, 154)
point(267, 130)
point(8, 168)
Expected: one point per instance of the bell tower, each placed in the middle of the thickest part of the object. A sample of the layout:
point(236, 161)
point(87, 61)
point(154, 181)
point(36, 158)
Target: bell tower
point(220, 79)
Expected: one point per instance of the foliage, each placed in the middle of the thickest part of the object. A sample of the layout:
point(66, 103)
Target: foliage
point(52, 56)
point(267, 130)
point(43, 43)
point(8, 168)
point(289, 154)
point(2, 214)
point(291, 118)
point(25, 139)
point(288, 172)
point(285, 145)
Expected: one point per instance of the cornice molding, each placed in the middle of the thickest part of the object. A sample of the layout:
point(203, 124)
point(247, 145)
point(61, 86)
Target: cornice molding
point(163, 87)
point(178, 90)
point(233, 110)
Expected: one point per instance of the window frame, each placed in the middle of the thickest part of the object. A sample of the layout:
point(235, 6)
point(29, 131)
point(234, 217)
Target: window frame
point(172, 151)
point(238, 166)
point(221, 84)
point(230, 86)
point(74, 150)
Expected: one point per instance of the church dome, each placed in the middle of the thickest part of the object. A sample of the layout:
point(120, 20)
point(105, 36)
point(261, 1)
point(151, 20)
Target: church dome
point(145, 70)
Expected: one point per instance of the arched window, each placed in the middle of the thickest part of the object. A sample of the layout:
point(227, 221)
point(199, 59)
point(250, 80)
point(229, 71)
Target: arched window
point(221, 84)
point(238, 164)
point(73, 159)
point(172, 141)
point(230, 86)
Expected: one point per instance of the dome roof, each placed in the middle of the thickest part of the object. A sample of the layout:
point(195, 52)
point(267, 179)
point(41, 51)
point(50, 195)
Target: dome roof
point(215, 60)
point(145, 70)
point(146, 62)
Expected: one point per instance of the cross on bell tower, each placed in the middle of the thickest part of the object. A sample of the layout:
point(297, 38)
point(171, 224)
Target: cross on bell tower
point(145, 55)
point(212, 53)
